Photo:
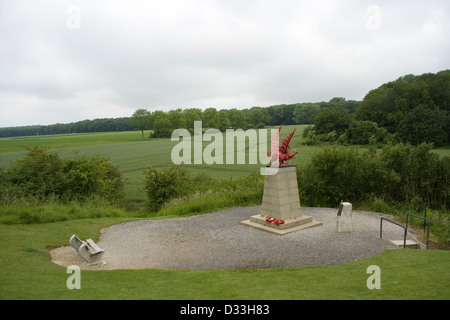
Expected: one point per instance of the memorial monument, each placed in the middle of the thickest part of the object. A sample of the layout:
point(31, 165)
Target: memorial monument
point(344, 217)
point(280, 209)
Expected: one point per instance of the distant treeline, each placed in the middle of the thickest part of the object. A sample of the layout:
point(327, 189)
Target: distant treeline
point(97, 125)
point(163, 123)
point(299, 113)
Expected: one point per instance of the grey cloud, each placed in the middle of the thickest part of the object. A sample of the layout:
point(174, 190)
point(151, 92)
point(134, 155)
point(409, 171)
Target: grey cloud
point(166, 54)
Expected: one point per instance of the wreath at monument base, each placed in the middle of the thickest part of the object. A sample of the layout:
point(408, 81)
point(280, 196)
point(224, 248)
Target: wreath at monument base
point(275, 221)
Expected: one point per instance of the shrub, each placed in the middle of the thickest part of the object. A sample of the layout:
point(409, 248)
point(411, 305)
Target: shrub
point(173, 190)
point(162, 185)
point(93, 176)
point(44, 175)
point(424, 124)
point(335, 174)
point(364, 132)
point(39, 173)
point(423, 177)
point(399, 174)
point(332, 119)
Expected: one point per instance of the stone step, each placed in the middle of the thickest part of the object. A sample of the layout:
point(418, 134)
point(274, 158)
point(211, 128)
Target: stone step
point(288, 223)
point(272, 229)
point(410, 244)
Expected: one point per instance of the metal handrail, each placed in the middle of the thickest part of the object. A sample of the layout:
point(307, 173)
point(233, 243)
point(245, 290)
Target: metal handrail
point(398, 224)
point(439, 245)
point(426, 220)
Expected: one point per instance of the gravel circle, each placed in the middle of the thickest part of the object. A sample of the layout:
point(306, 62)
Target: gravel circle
point(218, 241)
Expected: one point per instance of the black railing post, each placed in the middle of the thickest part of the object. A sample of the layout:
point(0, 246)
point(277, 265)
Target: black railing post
point(404, 232)
point(426, 220)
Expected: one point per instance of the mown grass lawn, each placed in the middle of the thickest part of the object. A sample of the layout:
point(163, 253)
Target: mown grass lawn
point(26, 272)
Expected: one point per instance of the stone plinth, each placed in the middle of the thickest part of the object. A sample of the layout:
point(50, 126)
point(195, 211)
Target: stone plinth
point(281, 201)
point(280, 198)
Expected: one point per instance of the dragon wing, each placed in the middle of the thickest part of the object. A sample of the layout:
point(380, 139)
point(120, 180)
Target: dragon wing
point(284, 148)
point(276, 145)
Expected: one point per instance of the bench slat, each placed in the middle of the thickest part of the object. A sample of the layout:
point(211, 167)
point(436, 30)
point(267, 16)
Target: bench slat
point(93, 248)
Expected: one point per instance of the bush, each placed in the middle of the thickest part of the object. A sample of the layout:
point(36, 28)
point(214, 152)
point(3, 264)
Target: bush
point(89, 176)
point(332, 119)
point(165, 184)
point(336, 174)
point(39, 174)
point(399, 174)
point(424, 124)
point(364, 132)
point(44, 175)
point(173, 190)
point(422, 176)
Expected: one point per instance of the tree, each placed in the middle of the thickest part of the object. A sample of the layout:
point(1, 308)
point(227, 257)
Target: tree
point(425, 125)
point(210, 118)
point(364, 132)
point(287, 111)
point(258, 117)
point(141, 120)
point(237, 118)
point(390, 103)
point(336, 102)
point(224, 121)
point(281, 114)
point(332, 119)
point(177, 119)
point(304, 113)
point(161, 125)
point(191, 116)
point(440, 88)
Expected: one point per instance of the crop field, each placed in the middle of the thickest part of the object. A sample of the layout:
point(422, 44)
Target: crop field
point(66, 140)
point(127, 151)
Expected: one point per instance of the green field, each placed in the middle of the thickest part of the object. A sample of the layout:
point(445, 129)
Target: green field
point(26, 271)
point(133, 156)
point(66, 140)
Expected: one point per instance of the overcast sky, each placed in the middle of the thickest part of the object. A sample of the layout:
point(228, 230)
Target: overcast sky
point(66, 61)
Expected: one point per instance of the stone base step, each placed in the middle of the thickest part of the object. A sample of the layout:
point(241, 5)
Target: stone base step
point(290, 225)
point(410, 244)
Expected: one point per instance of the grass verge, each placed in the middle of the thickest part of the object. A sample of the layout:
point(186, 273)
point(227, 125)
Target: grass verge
point(26, 272)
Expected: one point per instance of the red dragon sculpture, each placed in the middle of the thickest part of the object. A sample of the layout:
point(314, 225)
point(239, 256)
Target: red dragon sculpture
point(282, 154)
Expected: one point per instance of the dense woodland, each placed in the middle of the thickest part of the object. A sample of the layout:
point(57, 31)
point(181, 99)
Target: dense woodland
point(411, 109)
